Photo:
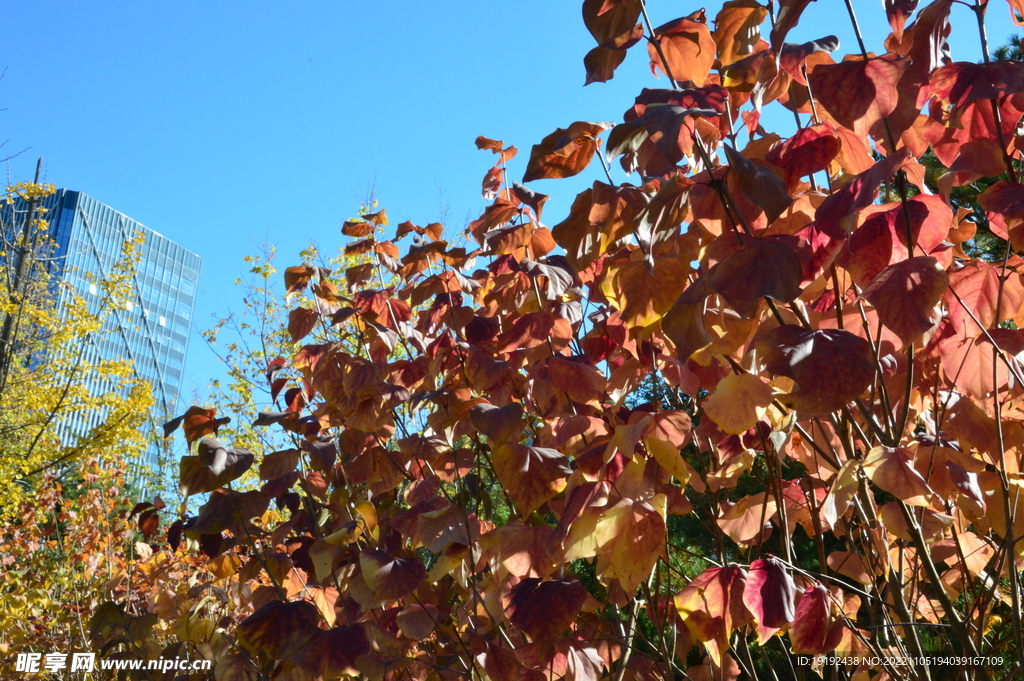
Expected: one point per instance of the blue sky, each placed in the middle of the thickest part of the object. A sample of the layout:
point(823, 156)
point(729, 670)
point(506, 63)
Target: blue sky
point(225, 125)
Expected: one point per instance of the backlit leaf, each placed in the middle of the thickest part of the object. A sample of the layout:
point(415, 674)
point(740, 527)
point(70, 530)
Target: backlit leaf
point(712, 607)
point(905, 295)
point(891, 468)
point(857, 93)
point(689, 50)
point(814, 630)
point(738, 402)
point(565, 152)
point(770, 595)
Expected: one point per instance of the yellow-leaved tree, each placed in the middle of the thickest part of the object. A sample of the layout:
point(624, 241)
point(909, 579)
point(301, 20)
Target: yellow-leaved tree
point(69, 429)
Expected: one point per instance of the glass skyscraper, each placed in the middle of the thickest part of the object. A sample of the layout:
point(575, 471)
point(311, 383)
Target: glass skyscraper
point(152, 331)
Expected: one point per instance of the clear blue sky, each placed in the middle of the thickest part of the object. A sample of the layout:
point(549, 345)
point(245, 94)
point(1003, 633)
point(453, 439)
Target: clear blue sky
point(224, 125)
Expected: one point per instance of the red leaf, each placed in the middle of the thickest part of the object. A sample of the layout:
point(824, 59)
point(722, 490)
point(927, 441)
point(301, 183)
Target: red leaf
point(814, 630)
point(811, 149)
point(898, 11)
point(770, 595)
point(905, 295)
point(961, 83)
point(712, 607)
point(858, 92)
point(544, 610)
point(833, 214)
point(882, 239)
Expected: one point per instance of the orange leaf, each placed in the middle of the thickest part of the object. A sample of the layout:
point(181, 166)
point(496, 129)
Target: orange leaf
point(891, 468)
point(736, 29)
point(689, 50)
point(565, 152)
point(739, 402)
point(531, 475)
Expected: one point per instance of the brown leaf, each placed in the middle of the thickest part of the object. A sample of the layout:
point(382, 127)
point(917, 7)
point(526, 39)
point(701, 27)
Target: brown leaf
point(225, 508)
point(390, 578)
point(278, 630)
point(761, 185)
point(301, 322)
point(332, 654)
point(602, 61)
point(787, 17)
point(297, 278)
point(417, 622)
point(831, 367)
point(498, 423)
point(196, 422)
point(606, 23)
point(565, 152)
point(763, 267)
point(213, 466)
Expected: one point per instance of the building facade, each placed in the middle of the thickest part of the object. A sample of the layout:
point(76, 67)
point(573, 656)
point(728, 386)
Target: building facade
point(153, 330)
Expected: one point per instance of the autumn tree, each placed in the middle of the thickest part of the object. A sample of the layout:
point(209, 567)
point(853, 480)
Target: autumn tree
point(829, 470)
point(46, 383)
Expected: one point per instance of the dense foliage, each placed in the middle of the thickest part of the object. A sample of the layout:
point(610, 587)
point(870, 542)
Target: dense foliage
point(48, 377)
point(759, 406)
